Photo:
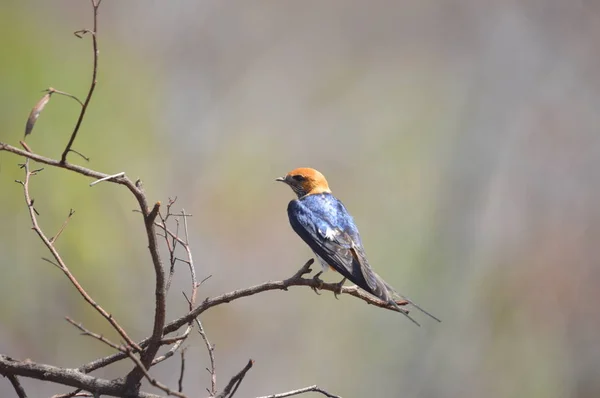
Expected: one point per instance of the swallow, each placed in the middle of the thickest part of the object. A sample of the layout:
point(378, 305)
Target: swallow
point(326, 226)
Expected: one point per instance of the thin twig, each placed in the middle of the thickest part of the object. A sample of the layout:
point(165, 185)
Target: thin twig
point(171, 243)
point(151, 379)
point(178, 342)
point(172, 340)
point(51, 262)
point(88, 98)
point(301, 391)
point(55, 237)
point(80, 155)
point(74, 393)
point(235, 381)
point(121, 174)
point(190, 261)
point(97, 336)
point(127, 351)
point(14, 380)
point(171, 247)
point(53, 90)
point(181, 371)
point(211, 355)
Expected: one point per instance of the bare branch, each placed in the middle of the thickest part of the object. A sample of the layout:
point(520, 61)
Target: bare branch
point(172, 340)
point(188, 251)
point(67, 377)
point(181, 371)
point(301, 391)
point(178, 342)
point(55, 237)
point(211, 356)
point(14, 380)
point(185, 244)
point(295, 280)
point(94, 34)
point(235, 382)
point(151, 379)
point(28, 153)
point(80, 155)
point(52, 90)
point(97, 336)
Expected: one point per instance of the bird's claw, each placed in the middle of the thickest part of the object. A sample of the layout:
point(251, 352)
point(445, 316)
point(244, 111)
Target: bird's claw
point(319, 281)
point(338, 288)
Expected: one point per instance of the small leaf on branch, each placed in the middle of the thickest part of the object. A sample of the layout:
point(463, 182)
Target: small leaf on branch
point(37, 109)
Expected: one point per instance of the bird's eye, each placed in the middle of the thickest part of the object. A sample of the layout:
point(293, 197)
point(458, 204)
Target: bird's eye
point(298, 178)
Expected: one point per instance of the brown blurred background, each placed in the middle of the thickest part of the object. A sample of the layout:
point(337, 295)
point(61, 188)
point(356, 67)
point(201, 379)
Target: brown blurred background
point(462, 135)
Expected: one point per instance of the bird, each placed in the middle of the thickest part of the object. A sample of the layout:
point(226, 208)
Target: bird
point(326, 226)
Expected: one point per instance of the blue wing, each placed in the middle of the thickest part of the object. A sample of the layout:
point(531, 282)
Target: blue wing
point(324, 224)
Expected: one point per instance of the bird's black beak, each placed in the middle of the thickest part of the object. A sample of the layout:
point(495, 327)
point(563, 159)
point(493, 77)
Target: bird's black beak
point(281, 179)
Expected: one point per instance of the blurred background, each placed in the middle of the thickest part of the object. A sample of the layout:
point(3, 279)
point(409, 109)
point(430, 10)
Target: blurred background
point(462, 135)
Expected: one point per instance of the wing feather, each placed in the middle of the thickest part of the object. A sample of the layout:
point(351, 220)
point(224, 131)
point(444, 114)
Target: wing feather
point(338, 248)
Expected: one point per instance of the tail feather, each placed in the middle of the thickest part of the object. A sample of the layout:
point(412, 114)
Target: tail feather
point(394, 292)
point(403, 311)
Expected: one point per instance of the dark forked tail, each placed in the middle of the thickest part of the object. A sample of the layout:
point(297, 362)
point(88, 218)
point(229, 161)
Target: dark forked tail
point(393, 291)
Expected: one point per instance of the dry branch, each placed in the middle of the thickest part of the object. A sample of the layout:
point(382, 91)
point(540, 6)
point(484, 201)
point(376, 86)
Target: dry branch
point(14, 380)
point(235, 382)
point(88, 98)
point(67, 377)
point(295, 280)
point(301, 391)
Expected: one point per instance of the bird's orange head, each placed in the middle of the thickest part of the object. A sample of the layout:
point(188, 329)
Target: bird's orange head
point(305, 181)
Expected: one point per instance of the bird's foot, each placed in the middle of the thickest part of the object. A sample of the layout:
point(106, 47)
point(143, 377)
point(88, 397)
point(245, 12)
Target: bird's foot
point(319, 281)
point(338, 288)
